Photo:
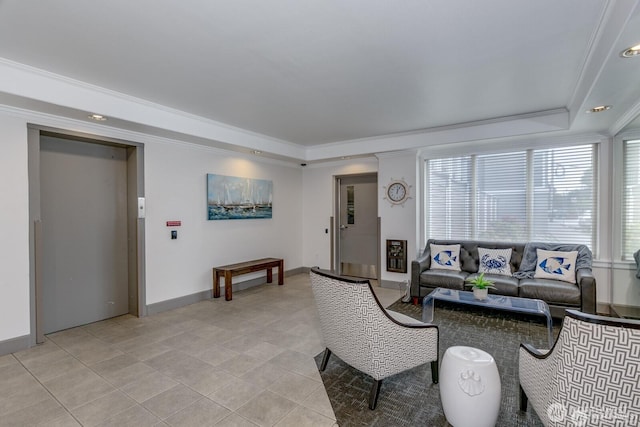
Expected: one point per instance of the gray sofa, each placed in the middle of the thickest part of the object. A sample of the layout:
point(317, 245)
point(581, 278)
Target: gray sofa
point(557, 294)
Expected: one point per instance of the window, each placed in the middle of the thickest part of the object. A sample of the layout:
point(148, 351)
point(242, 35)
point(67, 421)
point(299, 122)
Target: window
point(535, 195)
point(631, 200)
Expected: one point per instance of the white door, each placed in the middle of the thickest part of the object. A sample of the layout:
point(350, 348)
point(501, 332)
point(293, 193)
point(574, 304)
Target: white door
point(83, 193)
point(357, 238)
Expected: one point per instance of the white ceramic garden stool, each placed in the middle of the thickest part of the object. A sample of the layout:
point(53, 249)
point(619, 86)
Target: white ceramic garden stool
point(470, 387)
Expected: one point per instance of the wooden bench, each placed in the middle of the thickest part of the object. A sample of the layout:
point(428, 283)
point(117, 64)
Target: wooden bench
point(231, 270)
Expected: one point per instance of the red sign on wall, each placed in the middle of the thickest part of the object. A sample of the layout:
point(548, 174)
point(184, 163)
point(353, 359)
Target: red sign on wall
point(174, 223)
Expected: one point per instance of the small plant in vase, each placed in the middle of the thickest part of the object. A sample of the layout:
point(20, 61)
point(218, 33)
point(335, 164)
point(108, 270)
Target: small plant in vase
point(480, 286)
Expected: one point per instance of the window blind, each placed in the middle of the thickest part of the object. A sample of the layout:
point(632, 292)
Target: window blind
point(631, 200)
point(545, 195)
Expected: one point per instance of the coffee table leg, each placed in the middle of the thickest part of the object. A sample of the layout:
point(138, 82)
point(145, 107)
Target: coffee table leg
point(427, 309)
point(550, 329)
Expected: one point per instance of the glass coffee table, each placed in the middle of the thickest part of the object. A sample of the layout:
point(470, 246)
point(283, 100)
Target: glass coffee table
point(498, 302)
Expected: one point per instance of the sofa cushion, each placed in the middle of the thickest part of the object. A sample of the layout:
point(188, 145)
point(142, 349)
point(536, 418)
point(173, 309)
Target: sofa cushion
point(505, 285)
point(444, 279)
point(494, 261)
point(550, 291)
point(445, 257)
point(556, 265)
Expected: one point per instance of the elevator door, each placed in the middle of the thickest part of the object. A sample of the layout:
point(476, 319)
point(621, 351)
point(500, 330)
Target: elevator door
point(83, 193)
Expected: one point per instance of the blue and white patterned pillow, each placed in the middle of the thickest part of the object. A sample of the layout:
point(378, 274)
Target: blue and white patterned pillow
point(494, 261)
point(556, 265)
point(445, 257)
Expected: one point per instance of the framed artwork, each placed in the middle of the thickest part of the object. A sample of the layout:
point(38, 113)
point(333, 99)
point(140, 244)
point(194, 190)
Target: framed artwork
point(397, 256)
point(232, 197)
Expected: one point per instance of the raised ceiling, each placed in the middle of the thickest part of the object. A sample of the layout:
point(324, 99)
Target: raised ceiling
point(319, 79)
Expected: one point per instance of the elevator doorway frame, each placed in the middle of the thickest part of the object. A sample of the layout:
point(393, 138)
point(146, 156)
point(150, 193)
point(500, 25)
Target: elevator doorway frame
point(135, 228)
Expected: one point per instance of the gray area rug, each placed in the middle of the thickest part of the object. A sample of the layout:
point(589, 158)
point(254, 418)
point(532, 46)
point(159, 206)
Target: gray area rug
point(410, 398)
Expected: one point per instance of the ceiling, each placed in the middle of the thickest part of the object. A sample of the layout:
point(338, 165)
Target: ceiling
point(319, 79)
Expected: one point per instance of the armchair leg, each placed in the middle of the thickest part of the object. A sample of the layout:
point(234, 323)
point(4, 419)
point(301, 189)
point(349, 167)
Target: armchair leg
point(325, 359)
point(434, 372)
point(373, 395)
point(523, 400)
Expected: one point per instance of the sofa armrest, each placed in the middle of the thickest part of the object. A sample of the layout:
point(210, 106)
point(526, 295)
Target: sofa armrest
point(587, 283)
point(419, 265)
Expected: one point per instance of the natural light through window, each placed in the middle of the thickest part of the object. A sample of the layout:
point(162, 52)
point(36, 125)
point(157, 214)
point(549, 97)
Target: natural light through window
point(535, 195)
point(631, 200)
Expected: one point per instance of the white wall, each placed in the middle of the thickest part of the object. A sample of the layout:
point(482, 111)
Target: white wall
point(318, 201)
point(175, 189)
point(399, 222)
point(14, 215)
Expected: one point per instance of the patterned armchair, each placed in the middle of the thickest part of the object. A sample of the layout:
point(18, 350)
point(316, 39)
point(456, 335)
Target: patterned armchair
point(591, 376)
point(358, 330)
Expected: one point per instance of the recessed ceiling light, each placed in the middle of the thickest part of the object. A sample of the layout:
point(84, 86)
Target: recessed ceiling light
point(631, 52)
point(599, 109)
point(97, 117)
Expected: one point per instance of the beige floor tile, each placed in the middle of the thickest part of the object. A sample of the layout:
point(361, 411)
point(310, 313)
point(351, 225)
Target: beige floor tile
point(302, 416)
point(171, 401)
point(65, 420)
point(20, 382)
point(40, 412)
point(235, 394)
point(266, 409)
point(319, 402)
point(264, 375)
point(78, 388)
point(128, 374)
point(264, 351)
point(206, 380)
point(114, 364)
point(147, 386)
point(297, 362)
point(202, 413)
point(37, 351)
point(8, 359)
point(216, 355)
point(136, 416)
point(144, 352)
point(235, 420)
point(52, 365)
point(240, 364)
point(295, 387)
point(103, 408)
point(23, 398)
point(187, 343)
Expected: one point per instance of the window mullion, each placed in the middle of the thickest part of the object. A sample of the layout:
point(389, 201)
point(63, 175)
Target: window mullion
point(530, 187)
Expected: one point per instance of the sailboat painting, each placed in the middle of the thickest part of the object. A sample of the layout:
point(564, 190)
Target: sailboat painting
point(232, 197)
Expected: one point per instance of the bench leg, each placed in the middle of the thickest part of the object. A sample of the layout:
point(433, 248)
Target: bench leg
point(281, 272)
point(216, 284)
point(269, 275)
point(227, 286)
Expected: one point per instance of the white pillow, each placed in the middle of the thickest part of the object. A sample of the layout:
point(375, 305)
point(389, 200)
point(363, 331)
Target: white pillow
point(494, 261)
point(445, 257)
point(556, 265)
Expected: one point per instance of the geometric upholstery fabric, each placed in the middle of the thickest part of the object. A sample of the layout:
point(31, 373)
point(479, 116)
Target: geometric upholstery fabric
point(357, 329)
point(591, 376)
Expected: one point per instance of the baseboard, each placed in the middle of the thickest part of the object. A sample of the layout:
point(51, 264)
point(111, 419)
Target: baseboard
point(390, 284)
point(602, 308)
point(15, 344)
point(174, 303)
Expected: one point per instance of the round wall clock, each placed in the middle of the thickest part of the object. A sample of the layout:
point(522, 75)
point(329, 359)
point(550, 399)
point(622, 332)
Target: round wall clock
point(397, 192)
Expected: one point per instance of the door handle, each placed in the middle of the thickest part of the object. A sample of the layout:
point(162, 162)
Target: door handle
point(343, 227)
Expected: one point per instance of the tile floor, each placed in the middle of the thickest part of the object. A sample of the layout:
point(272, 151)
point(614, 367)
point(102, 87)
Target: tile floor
point(244, 362)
